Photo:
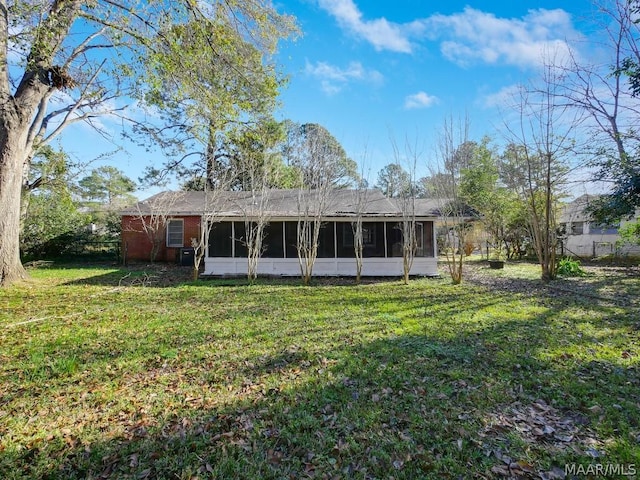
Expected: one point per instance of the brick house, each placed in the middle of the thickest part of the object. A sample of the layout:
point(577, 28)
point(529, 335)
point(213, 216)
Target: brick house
point(179, 215)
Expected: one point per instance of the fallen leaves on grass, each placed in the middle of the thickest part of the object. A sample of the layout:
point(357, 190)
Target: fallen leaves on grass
point(537, 423)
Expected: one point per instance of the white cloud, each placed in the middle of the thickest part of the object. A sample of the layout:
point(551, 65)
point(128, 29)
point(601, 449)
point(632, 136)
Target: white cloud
point(474, 36)
point(503, 98)
point(469, 37)
point(419, 100)
point(333, 79)
point(381, 33)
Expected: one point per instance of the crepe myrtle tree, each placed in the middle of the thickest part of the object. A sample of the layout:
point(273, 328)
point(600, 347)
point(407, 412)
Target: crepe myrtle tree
point(540, 132)
point(406, 200)
point(69, 61)
point(259, 168)
point(361, 201)
point(320, 165)
point(312, 204)
point(453, 156)
point(216, 182)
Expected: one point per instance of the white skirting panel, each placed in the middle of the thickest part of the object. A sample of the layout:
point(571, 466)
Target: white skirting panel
point(329, 267)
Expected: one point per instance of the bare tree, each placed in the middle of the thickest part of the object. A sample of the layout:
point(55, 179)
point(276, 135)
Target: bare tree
point(406, 195)
point(216, 187)
point(602, 91)
point(361, 200)
point(213, 200)
point(453, 150)
point(541, 144)
point(256, 219)
point(607, 91)
point(315, 154)
point(312, 205)
point(255, 211)
point(255, 169)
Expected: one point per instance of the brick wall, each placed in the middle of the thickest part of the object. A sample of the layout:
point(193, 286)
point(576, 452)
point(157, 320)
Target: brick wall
point(136, 245)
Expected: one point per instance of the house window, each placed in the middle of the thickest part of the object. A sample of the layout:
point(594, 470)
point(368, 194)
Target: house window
point(175, 232)
point(577, 228)
point(368, 235)
point(347, 234)
point(424, 239)
point(372, 239)
point(598, 229)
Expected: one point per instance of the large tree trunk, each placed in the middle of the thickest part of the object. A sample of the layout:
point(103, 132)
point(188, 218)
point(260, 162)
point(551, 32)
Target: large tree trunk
point(16, 150)
point(12, 158)
point(21, 117)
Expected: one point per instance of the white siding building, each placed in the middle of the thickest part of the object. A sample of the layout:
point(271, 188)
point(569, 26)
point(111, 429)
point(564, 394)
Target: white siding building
point(583, 237)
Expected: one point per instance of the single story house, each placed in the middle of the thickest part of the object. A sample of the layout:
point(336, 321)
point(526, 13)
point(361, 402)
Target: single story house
point(179, 216)
point(582, 237)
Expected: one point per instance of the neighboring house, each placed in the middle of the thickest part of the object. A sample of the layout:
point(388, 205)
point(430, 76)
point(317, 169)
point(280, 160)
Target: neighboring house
point(183, 212)
point(582, 237)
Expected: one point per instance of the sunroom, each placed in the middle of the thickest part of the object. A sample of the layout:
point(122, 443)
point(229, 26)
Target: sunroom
point(382, 248)
point(227, 214)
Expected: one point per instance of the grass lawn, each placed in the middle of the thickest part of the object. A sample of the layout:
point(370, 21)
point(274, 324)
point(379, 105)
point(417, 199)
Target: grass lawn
point(121, 373)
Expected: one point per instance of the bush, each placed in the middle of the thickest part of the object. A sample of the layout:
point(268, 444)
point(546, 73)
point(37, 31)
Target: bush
point(50, 226)
point(568, 267)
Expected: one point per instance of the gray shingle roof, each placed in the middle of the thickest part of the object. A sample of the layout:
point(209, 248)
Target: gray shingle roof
point(280, 203)
point(574, 211)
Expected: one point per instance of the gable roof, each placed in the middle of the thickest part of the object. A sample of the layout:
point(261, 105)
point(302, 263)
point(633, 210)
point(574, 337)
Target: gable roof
point(280, 203)
point(574, 211)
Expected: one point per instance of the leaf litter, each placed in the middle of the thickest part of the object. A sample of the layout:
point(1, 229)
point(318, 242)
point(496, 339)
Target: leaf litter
point(537, 423)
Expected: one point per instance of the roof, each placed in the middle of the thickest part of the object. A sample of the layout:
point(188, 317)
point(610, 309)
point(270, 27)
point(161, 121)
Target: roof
point(574, 211)
point(279, 203)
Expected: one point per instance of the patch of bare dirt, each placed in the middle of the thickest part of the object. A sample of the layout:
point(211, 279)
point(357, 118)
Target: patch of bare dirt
point(156, 275)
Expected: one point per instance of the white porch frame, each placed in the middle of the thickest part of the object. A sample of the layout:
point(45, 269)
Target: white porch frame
point(336, 266)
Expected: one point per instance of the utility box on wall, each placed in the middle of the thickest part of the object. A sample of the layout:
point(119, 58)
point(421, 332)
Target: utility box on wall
point(186, 256)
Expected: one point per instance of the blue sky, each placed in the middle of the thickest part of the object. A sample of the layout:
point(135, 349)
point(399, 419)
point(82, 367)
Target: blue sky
point(373, 71)
point(370, 71)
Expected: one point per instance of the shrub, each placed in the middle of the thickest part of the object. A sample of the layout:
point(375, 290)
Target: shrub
point(568, 267)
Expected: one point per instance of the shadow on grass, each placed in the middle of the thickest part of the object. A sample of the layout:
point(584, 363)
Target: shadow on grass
point(417, 405)
point(164, 275)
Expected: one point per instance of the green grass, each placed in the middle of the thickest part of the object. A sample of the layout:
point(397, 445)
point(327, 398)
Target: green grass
point(108, 373)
